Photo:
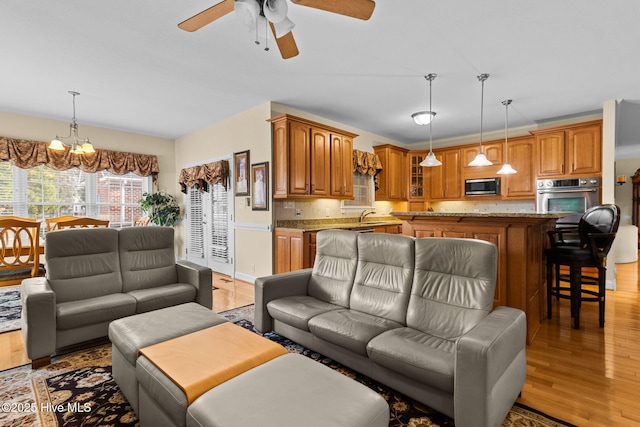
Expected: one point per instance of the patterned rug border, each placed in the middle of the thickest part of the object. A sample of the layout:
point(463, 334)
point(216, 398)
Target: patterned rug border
point(10, 308)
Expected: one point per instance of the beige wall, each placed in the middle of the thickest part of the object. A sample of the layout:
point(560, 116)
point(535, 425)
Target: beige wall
point(38, 129)
point(246, 131)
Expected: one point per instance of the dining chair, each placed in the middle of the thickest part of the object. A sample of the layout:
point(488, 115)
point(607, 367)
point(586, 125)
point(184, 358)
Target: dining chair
point(597, 230)
point(20, 251)
point(78, 222)
point(52, 223)
point(141, 222)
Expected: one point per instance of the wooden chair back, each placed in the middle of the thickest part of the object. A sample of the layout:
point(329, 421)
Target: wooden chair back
point(59, 223)
point(20, 249)
point(141, 222)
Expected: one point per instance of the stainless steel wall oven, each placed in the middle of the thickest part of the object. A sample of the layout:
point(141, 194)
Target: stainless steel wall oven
point(567, 194)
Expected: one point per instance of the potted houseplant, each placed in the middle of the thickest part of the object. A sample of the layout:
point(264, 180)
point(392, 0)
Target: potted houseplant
point(162, 208)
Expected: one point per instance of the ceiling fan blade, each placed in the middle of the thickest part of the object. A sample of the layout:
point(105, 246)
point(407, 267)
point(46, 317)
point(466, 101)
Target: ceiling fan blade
point(207, 16)
point(286, 44)
point(360, 9)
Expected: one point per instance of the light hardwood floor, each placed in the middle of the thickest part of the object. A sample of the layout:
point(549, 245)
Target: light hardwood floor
point(589, 377)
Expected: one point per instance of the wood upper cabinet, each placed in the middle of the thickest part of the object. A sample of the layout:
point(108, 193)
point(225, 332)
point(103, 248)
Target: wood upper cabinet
point(570, 150)
point(393, 177)
point(493, 150)
point(522, 185)
point(445, 182)
point(341, 166)
point(311, 159)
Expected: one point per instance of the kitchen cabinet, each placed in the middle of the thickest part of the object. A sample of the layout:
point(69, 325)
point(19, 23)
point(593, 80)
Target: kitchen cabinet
point(522, 185)
point(445, 182)
point(493, 150)
point(289, 250)
point(571, 150)
point(311, 160)
point(416, 189)
point(389, 229)
point(392, 178)
point(341, 166)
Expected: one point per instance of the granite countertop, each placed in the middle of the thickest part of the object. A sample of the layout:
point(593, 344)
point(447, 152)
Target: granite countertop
point(482, 214)
point(337, 223)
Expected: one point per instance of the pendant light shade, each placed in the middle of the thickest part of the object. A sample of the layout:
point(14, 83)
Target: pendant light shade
point(424, 118)
point(506, 169)
point(481, 159)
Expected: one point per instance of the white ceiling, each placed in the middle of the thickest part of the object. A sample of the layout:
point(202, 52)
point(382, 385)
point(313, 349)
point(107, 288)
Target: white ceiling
point(137, 72)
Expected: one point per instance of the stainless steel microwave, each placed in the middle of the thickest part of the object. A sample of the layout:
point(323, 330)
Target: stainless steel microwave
point(481, 187)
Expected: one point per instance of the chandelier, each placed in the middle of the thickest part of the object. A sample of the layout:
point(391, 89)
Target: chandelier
point(78, 145)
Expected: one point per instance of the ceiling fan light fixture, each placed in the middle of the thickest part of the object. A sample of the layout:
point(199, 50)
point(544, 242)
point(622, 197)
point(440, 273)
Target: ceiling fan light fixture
point(423, 117)
point(247, 12)
point(283, 27)
point(275, 10)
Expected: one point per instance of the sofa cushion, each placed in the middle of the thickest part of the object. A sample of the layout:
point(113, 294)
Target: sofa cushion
point(163, 296)
point(453, 285)
point(414, 354)
point(74, 314)
point(297, 310)
point(384, 275)
point(349, 328)
point(147, 257)
point(83, 263)
point(335, 266)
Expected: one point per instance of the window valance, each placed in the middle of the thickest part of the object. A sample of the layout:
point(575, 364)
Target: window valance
point(202, 175)
point(28, 154)
point(367, 164)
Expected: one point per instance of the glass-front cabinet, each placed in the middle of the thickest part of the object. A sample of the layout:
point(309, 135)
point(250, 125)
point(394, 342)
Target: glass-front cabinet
point(416, 191)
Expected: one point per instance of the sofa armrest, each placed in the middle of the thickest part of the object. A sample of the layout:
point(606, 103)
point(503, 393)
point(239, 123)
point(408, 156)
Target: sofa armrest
point(38, 317)
point(490, 368)
point(198, 276)
point(273, 287)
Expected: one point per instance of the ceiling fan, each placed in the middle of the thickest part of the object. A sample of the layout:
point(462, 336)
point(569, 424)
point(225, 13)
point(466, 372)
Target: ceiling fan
point(275, 12)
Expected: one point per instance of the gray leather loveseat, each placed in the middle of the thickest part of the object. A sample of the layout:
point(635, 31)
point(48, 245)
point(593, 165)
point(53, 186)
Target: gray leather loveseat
point(414, 314)
point(98, 275)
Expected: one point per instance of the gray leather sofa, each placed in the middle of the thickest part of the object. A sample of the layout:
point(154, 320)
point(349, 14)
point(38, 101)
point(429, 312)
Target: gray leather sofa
point(414, 314)
point(98, 275)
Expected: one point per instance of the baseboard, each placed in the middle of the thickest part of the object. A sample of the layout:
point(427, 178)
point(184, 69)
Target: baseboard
point(245, 277)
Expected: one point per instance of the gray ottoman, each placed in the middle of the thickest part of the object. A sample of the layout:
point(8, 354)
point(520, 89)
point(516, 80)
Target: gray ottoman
point(289, 391)
point(129, 334)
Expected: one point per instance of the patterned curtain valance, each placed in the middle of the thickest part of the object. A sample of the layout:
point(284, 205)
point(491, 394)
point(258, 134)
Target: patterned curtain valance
point(28, 154)
point(367, 164)
point(202, 175)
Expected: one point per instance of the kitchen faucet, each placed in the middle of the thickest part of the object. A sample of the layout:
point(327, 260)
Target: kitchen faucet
point(364, 214)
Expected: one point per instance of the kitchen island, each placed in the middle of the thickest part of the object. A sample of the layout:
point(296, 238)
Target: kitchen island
point(521, 239)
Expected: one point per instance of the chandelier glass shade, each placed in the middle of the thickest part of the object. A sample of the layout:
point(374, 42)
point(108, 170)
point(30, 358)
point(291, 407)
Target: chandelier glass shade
point(77, 145)
point(426, 118)
point(506, 169)
point(481, 159)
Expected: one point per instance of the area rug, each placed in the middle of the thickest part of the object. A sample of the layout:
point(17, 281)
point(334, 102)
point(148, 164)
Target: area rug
point(77, 389)
point(10, 308)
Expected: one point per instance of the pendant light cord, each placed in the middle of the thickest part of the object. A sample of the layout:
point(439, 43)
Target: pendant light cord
point(506, 103)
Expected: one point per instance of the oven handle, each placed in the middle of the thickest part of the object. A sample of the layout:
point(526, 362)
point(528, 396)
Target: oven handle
point(588, 190)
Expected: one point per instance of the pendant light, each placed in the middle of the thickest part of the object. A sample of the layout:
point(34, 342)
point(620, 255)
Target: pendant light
point(481, 159)
point(506, 169)
point(431, 159)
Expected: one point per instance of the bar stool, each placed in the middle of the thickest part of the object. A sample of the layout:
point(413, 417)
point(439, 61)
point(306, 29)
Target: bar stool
point(597, 230)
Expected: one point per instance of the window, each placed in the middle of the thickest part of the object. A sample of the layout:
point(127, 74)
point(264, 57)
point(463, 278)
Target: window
point(363, 193)
point(42, 192)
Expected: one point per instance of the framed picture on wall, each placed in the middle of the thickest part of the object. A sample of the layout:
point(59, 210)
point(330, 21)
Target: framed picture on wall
point(260, 179)
point(241, 161)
